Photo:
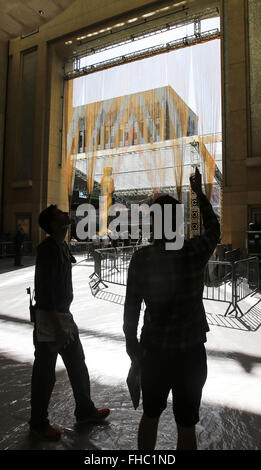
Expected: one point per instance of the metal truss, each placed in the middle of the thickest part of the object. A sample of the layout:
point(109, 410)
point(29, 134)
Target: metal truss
point(196, 38)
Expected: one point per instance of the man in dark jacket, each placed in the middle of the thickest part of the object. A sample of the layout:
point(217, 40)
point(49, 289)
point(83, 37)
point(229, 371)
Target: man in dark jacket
point(55, 330)
point(18, 244)
point(171, 351)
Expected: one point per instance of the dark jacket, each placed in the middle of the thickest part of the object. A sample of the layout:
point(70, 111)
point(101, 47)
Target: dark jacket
point(19, 239)
point(53, 276)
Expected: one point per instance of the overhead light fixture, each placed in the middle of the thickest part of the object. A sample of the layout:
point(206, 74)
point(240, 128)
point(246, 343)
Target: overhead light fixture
point(41, 12)
point(68, 43)
point(146, 15)
point(163, 9)
point(179, 4)
point(118, 25)
point(131, 20)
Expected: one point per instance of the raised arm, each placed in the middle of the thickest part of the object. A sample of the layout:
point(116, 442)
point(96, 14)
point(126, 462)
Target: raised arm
point(204, 245)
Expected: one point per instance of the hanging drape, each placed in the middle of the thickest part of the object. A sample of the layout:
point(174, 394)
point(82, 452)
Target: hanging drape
point(145, 119)
point(71, 126)
point(208, 104)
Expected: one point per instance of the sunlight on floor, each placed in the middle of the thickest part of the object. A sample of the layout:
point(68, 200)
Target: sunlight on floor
point(234, 357)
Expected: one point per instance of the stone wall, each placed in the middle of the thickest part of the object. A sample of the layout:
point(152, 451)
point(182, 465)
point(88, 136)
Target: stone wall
point(241, 111)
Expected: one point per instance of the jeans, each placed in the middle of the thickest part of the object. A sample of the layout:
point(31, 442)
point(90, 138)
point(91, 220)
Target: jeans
point(43, 379)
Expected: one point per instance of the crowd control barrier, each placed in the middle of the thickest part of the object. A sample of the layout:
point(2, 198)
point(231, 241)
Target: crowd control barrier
point(7, 249)
point(224, 281)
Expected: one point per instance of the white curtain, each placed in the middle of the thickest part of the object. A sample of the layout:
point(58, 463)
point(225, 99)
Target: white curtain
point(140, 119)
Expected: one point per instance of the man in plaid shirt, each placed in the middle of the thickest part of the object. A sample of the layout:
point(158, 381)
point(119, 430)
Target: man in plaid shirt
point(171, 350)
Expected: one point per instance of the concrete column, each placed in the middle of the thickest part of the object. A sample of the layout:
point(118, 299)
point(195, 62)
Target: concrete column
point(235, 122)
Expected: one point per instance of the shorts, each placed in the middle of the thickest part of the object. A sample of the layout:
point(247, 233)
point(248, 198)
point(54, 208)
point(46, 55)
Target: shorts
point(182, 371)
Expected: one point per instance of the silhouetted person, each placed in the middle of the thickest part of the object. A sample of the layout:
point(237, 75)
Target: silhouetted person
point(55, 330)
point(171, 351)
point(18, 244)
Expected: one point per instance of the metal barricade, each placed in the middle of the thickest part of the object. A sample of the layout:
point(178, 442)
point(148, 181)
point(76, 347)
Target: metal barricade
point(246, 279)
point(218, 281)
point(115, 263)
point(224, 281)
point(231, 282)
point(112, 264)
point(97, 273)
point(83, 250)
point(7, 249)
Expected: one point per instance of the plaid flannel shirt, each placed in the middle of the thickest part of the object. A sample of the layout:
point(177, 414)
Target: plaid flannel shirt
point(171, 284)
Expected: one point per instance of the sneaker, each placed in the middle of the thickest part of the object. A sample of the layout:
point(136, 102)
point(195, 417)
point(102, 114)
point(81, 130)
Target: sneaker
point(96, 417)
point(48, 433)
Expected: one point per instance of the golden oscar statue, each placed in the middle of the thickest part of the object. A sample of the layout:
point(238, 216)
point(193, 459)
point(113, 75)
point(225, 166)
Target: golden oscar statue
point(107, 189)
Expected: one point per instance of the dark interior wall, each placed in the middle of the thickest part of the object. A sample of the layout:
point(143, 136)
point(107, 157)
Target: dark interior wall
point(3, 74)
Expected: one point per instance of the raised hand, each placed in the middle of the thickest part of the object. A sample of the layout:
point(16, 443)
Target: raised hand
point(195, 182)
